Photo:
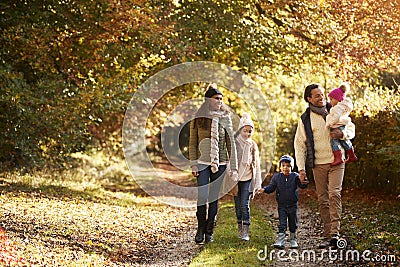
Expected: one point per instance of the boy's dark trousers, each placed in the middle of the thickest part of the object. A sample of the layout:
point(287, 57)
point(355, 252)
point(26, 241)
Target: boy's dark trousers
point(287, 213)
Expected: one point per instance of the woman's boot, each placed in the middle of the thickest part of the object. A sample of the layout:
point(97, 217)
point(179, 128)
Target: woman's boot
point(209, 231)
point(201, 227)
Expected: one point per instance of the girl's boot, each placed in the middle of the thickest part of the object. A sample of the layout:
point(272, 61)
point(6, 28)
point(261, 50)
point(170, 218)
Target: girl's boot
point(245, 235)
point(240, 230)
point(351, 156)
point(337, 158)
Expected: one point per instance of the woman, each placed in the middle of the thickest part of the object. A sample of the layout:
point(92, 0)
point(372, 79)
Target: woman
point(211, 147)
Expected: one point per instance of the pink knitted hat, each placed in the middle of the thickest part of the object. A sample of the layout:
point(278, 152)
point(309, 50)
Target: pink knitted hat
point(340, 92)
point(337, 94)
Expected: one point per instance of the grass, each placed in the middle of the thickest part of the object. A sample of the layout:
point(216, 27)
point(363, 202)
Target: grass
point(228, 249)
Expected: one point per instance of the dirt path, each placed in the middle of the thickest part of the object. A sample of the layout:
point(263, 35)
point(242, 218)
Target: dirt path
point(180, 248)
point(46, 227)
point(179, 252)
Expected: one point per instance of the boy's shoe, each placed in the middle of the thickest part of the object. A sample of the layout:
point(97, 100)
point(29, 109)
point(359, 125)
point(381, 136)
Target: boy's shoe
point(329, 242)
point(280, 242)
point(293, 241)
point(324, 243)
point(337, 158)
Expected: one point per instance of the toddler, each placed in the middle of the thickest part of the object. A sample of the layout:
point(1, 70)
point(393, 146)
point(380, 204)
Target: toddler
point(338, 117)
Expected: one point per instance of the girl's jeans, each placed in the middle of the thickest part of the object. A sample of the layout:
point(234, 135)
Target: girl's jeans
point(208, 186)
point(337, 143)
point(242, 200)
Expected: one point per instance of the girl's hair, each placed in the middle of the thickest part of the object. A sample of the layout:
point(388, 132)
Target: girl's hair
point(203, 117)
point(237, 132)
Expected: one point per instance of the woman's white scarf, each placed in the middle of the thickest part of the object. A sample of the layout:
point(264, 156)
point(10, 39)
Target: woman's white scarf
point(245, 145)
point(214, 151)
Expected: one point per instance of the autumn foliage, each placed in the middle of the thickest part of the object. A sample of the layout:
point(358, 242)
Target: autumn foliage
point(68, 69)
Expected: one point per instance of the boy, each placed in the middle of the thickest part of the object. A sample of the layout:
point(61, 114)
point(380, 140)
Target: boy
point(285, 183)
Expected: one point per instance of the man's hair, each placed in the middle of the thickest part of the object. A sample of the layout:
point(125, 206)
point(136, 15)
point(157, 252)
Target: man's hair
point(309, 88)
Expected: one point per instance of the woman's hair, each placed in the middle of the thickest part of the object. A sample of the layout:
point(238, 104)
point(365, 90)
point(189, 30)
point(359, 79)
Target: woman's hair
point(309, 88)
point(203, 115)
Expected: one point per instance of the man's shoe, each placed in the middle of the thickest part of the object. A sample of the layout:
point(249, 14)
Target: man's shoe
point(334, 242)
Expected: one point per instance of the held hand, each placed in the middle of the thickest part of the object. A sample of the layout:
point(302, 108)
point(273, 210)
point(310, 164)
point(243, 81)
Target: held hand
point(256, 192)
point(303, 177)
point(259, 191)
point(304, 181)
point(337, 134)
point(195, 171)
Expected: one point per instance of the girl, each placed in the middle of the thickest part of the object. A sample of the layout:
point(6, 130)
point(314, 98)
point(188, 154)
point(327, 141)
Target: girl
point(338, 117)
point(249, 174)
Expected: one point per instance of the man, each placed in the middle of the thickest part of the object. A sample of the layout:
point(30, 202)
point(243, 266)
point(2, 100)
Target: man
point(312, 145)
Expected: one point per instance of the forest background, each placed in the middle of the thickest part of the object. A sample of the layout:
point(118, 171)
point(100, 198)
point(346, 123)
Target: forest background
point(68, 70)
